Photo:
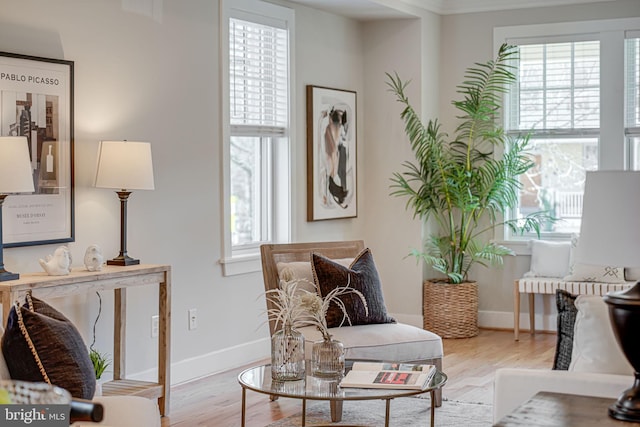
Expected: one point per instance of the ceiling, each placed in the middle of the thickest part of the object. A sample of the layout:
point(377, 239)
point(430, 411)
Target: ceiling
point(367, 10)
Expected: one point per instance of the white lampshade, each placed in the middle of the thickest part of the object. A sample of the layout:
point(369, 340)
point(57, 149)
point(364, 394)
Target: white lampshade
point(15, 165)
point(125, 165)
point(610, 230)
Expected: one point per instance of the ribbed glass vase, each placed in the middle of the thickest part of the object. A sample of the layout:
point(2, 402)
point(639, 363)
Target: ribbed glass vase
point(287, 355)
point(327, 359)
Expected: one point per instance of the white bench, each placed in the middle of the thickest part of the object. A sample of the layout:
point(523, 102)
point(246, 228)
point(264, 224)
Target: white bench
point(549, 285)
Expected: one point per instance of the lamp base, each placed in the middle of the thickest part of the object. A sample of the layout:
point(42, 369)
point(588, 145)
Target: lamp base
point(123, 261)
point(627, 407)
point(6, 275)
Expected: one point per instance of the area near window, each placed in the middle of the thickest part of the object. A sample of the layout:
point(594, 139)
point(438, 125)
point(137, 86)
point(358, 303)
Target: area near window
point(256, 118)
point(577, 82)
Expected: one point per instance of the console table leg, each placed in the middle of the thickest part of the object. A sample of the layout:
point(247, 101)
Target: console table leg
point(119, 333)
point(304, 412)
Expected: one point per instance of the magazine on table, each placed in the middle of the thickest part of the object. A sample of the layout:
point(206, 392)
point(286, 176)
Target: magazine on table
point(389, 375)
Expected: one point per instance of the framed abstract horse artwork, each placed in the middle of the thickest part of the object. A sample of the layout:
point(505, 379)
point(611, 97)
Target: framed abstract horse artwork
point(331, 154)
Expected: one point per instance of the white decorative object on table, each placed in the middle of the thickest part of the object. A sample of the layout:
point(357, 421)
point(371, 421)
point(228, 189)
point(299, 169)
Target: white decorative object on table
point(93, 258)
point(58, 264)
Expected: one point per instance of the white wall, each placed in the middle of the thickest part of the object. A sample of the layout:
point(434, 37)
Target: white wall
point(391, 230)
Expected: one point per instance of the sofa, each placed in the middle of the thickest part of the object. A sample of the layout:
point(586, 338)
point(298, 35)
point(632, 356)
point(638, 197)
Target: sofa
point(119, 411)
point(592, 364)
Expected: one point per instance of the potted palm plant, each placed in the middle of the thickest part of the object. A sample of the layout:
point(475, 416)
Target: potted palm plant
point(465, 183)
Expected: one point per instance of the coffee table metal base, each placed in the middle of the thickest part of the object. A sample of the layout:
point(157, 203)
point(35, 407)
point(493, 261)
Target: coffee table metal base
point(336, 409)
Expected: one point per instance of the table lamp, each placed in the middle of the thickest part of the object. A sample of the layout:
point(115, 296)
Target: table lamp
point(124, 165)
point(15, 177)
point(610, 235)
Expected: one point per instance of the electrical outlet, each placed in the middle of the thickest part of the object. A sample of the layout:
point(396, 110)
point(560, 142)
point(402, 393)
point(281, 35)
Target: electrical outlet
point(193, 319)
point(155, 326)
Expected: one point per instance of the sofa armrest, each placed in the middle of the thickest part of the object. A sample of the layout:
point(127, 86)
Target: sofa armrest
point(513, 387)
point(126, 411)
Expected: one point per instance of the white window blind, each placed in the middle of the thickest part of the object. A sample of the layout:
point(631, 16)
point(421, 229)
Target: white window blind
point(632, 87)
point(632, 99)
point(258, 61)
point(558, 87)
point(557, 101)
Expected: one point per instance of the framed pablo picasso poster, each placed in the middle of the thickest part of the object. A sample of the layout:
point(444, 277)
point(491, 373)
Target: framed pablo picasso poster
point(331, 154)
point(36, 102)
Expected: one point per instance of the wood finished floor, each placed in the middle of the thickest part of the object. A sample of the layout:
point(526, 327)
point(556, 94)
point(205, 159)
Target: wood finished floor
point(215, 401)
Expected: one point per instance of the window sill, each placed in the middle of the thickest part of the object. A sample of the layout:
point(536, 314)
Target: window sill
point(241, 265)
point(521, 246)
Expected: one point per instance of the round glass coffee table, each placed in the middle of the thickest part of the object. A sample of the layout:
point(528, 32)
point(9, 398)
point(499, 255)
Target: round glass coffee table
point(258, 379)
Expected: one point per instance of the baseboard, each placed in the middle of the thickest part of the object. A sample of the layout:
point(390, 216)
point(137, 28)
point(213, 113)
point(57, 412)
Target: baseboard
point(493, 320)
point(245, 354)
point(212, 363)
point(504, 320)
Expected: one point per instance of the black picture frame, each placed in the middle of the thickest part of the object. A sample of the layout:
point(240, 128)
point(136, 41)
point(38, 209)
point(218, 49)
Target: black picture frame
point(36, 101)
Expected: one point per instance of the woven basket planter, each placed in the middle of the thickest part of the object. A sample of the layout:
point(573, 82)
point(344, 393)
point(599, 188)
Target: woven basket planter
point(450, 310)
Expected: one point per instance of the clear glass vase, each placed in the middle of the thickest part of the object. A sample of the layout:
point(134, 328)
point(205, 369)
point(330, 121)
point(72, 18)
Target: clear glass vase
point(287, 355)
point(327, 359)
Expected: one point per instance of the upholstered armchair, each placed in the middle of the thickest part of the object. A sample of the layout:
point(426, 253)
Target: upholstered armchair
point(395, 342)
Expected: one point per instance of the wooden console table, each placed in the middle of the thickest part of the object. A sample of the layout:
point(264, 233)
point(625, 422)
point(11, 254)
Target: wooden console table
point(118, 279)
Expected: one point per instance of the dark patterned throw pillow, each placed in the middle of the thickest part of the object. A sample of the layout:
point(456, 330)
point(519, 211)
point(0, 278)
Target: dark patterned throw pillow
point(567, 311)
point(41, 345)
point(362, 276)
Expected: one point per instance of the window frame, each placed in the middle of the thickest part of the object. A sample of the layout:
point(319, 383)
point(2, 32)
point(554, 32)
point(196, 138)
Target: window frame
point(613, 145)
point(246, 258)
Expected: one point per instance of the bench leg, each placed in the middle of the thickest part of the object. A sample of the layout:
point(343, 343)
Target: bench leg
point(516, 311)
point(532, 313)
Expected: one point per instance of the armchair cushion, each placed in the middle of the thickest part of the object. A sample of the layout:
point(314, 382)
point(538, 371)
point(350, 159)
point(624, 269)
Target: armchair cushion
point(362, 276)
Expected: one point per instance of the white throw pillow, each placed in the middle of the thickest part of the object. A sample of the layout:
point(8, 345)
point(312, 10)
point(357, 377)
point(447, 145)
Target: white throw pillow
point(301, 271)
point(595, 348)
point(549, 259)
point(595, 273)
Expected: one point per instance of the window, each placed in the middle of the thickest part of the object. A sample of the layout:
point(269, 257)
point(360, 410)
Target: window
point(557, 100)
point(568, 99)
point(632, 91)
point(256, 117)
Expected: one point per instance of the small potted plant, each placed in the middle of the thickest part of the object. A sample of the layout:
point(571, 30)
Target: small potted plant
point(100, 363)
